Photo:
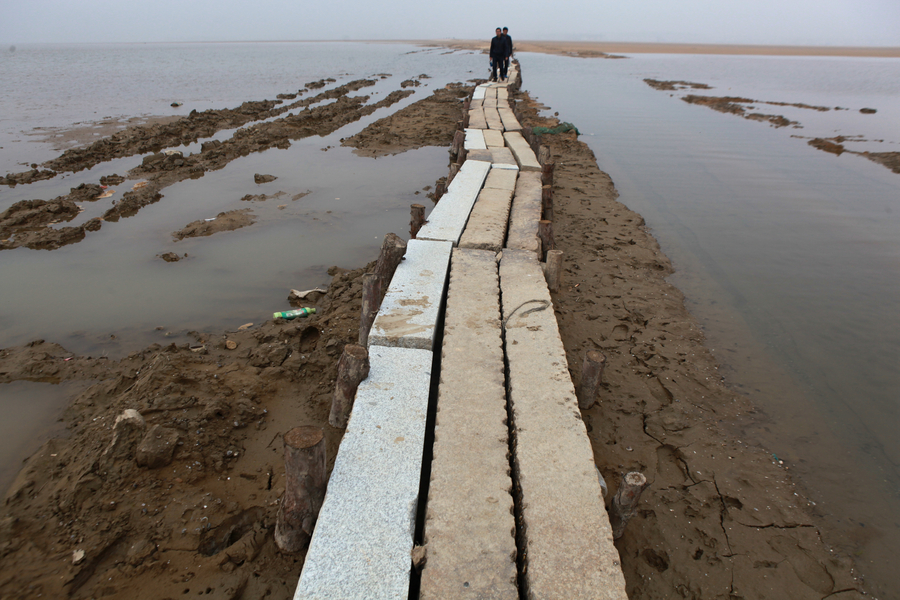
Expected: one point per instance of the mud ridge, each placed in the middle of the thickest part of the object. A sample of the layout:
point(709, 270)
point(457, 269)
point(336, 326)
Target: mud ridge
point(163, 169)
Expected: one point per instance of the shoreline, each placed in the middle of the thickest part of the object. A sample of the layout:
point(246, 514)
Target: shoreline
point(598, 49)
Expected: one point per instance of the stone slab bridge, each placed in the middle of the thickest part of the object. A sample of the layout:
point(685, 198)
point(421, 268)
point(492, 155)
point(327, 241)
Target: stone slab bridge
point(468, 408)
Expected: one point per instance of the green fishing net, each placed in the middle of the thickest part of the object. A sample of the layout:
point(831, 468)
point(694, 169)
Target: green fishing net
point(561, 128)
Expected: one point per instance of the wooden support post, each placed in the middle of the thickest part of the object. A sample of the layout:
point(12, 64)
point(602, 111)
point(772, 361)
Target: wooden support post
point(547, 202)
point(553, 269)
point(625, 502)
point(454, 169)
point(467, 104)
point(416, 219)
point(352, 369)
point(440, 188)
point(304, 490)
point(371, 300)
point(459, 141)
point(545, 232)
point(591, 378)
point(543, 154)
point(459, 126)
point(465, 119)
point(547, 173)
point(392, 250)
point(461, 157)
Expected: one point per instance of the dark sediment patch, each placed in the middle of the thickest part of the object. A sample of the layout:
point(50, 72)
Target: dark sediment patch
point(224, 221)
point(428, 122)
point(891, 160)
point(733, 105)
point(675, 85)
point(833, 146)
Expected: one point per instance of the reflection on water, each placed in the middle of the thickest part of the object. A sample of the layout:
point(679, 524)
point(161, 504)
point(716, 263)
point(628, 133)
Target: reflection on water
point(789, 256)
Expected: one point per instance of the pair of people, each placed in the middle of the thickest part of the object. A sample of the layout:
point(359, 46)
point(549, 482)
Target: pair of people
point(501, 50)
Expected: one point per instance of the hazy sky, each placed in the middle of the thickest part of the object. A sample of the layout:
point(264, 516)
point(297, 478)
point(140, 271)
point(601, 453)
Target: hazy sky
point(800, 22)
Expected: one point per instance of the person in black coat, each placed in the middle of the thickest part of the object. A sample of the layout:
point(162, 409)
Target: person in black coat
point(498, 55)
point(509, 51)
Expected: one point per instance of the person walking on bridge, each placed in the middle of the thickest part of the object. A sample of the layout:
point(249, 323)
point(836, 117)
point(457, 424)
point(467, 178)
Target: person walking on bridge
point(498, 55)
point(509, 51)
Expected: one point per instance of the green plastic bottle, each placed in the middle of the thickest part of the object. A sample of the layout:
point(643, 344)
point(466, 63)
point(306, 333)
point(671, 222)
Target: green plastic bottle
point(293, 314)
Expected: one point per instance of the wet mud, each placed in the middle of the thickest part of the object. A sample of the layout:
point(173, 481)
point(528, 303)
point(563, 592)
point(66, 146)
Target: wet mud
point(721, 517)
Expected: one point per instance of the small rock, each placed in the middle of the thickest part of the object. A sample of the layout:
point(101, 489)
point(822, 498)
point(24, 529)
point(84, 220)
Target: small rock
point(77, 557)
point(231, 345)
point(127, 432)
point(245, 326)
point(313, 295)
point(176, 104)
point(257, 178)
point(169, 257)
point(868, 111)
point(419, 556)
point(157, 447)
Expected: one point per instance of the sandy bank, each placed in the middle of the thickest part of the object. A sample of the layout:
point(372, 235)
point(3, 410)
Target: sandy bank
point(600, 49)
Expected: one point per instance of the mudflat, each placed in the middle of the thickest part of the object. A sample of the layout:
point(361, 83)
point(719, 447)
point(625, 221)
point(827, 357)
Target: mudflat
point(188, 506)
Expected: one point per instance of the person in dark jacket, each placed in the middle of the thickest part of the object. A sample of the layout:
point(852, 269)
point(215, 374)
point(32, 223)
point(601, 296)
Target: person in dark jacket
point(509, 51)
point(498, 55)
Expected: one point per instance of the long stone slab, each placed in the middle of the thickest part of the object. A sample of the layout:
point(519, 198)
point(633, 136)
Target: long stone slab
point(475, 139)
point(525, 216)
point(522, 152)
point(486, 229)
point(503, 93)
point(476, 118)
point(493, 138)
point(502, 158)
point(492, 117)
point(509, 120)
point(469, 523)
point(448, 218)
point(360, 549)
point(501, 179)
point(410, 309)
point(483, 155)
point(568, 540)
point(490, 103)
point(479, 92)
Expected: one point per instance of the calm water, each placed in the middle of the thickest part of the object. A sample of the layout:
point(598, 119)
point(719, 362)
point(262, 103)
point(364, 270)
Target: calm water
point(789, 256)
point(112, 283)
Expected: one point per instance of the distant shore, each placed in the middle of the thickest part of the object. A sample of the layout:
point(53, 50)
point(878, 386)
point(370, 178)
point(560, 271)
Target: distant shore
point(598, 49)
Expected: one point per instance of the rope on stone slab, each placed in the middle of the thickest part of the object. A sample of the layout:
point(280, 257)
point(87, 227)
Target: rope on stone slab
point(544, 304)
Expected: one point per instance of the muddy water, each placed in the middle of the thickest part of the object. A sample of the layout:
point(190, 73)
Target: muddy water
point(110, 294)
point(789, 256)
point(31, 411)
